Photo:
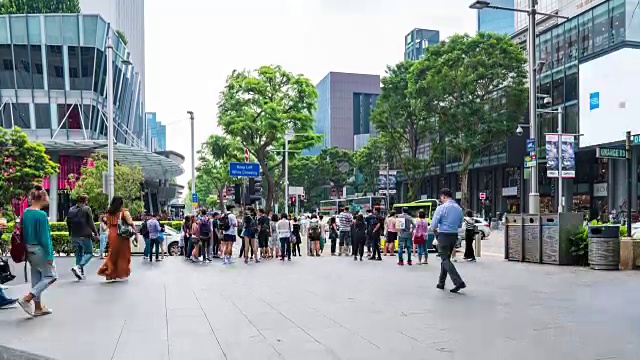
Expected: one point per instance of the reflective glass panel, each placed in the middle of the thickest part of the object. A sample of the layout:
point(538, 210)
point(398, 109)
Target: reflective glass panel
point(19, 29)
point(37, 69)
point(23, 66)
point(601, 23)
point(43, 116)
point(55, 67)
point(586, 33)
point(53, 29)
point(90, 26)
point(35, 35)
point(7, 79)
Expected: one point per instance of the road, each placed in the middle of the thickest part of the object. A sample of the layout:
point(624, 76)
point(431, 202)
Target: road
point(333, 308)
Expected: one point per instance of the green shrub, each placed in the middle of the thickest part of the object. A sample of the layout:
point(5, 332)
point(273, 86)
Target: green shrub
point(580, 246)
point(175, 225)
point(58, 227)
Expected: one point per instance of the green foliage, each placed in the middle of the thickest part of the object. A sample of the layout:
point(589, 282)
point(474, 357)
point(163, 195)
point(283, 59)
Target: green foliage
point(580, 242)
point(258, 107)
point(127, 183)
point(175, 225)
point(367, 162)
point(24, 163)
point(122, 36)
point(212, 175)
point(336, 165)
point(39, 7)
point(475, 87)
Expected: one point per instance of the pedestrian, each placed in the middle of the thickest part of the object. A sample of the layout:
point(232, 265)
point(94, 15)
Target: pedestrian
point(446, 220)
point(144, 232)
point(333, 234)
point(81, 231)
point(186, 234)
point(117, 264)
point(359, 237)
point(37, 236)
point(376, 237)
point(250, 232)
point(3, 222)
point(161, 239)
point(345, 220)
point(469, 235)
point(392, 234)
point(274, 240)
point(420, 237)
point(297, 238)
point(215, 247)
point(205, 235)
point(228, 223)
point(323, 232)
point(314, 232)
point(154, 237)
point(371, 220)
point(404, 226)
point(284, 233)
point(104, 231)
point(263, 233)
point(6, 302)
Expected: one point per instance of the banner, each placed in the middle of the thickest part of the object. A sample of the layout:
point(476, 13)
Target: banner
point(382, 181)
point(568, 165)
point(552, 148)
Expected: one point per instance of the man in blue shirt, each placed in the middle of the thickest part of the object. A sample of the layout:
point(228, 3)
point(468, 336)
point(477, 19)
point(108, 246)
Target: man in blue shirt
point(154, 237)
point(447, 219)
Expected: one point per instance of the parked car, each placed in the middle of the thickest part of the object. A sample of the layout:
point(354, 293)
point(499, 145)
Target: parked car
point(171, 241)
point(481, 224)
point(635, 230)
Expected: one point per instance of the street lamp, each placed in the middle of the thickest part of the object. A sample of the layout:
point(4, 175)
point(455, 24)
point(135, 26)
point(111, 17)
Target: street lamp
point(193, 159)
point(110, 100)
point(534, 195)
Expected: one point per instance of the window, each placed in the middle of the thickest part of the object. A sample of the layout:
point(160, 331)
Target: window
point(18, 29)
point(87, 59)
point(586, 34)
point(73, 116)
point(33, 24)
point(601, 24)
point(74, 67)
point(43, 116)
point(53, 29)
point(55, 67)
point(99, 74)
point(571, 30)
point(23, 67)
point(616, 9)
point(7, 79)
point(557, 88)
point(90, 26)
point(570, 119)
point(557, 35)
point(37, 71)
point(571, 84)
point(70, 30)
point(6, 116)
point(4, 35)
point(86, 117)
point(21, 115)
point(544, 88)
point(545, 50)
point(100, 34)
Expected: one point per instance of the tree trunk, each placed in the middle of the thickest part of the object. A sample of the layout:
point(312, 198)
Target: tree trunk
point(413, 188)
point(270, 190)
point(221, 198)
point(464, 181)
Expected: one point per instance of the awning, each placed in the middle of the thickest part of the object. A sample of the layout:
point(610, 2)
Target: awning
point(153, 166)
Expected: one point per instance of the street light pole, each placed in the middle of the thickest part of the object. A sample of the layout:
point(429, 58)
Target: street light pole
point(193, 156)
point(287, 137)
point(110, 139)
point(560, 190)
point(534, 195)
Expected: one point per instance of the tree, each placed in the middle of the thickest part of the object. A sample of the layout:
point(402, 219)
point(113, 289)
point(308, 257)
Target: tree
point(122, 37)
point(336, 165)
point(23, 164)
point(39, 7)
point(259, 107)
point(212, 175)
point(475, 87)
point(304, 171)
point(368, 161)
point(128, 180)
point(399, 123)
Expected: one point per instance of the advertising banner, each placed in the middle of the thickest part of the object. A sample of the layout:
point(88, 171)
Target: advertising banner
point(553, 149)
point(568, 165)
point(382, 181)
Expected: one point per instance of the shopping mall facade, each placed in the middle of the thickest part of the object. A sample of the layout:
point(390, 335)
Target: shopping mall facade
point(594, 54)
point(53, 86)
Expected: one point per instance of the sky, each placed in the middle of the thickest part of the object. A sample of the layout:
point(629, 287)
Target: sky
point(193, 45)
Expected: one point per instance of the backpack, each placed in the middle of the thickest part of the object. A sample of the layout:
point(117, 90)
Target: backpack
point(76, 220)
point(144, 230)
point(205, 228)
point(225, 224)
point(5, 272)
point(18, 249)
point(314, 229)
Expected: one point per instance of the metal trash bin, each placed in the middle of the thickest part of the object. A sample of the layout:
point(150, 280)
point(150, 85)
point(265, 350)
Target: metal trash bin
point(604, 247)
point(556, 232)
point(531, 240)
point(513, 237)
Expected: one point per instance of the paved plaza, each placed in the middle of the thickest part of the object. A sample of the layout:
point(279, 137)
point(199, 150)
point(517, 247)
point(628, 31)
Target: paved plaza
point(333, 308)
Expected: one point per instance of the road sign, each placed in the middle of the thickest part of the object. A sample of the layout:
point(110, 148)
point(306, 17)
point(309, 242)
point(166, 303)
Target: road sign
point(611, 153)
point(296, 190)
point(529, 161)
point(635, 139)
point(246, 155)
point(194, 197)
point(483, 196)
point(244, 169)
point(531, 145)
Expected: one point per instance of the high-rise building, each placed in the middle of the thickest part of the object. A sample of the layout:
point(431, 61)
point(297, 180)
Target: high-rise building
point(156, 134)
point(497, 21)
point(128, 17)
point(417, 41)
point(345, 102)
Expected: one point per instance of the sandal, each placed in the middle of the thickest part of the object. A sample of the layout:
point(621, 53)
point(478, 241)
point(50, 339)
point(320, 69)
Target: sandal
point(44, 311)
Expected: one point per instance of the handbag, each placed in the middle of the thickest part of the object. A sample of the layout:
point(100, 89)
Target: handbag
point(418, 239)
point(124, 228)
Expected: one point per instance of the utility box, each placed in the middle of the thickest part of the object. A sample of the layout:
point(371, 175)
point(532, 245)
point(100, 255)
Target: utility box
point(513, 237)
point(556, 232)
point(531, 238)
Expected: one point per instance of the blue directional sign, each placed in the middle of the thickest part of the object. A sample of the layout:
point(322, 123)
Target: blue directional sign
point(594, 100)
point(237, 169)
point(194, 197)
point(531, 145)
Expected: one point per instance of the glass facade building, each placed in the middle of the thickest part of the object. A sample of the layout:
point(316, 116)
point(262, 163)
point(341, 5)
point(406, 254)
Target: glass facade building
point(497, 21)
point(156, 133)
point(417, 41)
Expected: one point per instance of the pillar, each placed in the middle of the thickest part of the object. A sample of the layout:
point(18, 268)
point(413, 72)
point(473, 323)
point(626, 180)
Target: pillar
point(53, 191)
point(150, 202)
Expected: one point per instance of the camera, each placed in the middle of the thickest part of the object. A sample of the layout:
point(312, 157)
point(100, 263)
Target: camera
point(519, 131)
point(547, 101)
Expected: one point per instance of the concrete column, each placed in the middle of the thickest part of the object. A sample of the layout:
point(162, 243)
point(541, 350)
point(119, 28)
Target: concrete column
point(150, 202)
point(53, 191)
point(567, 192)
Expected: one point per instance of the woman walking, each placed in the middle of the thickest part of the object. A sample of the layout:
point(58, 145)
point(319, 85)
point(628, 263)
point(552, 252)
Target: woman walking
point(274, 240)
point(333, 234)
point(37, 236)
point(104, 230)
point(283, 228)
point(392, 235)
point(117, 265)
point(420, 237)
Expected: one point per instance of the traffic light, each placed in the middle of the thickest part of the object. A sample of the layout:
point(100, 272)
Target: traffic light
point(255, 189)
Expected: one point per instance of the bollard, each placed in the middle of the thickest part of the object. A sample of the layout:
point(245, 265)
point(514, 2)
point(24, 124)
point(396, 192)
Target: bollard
point(478, 245)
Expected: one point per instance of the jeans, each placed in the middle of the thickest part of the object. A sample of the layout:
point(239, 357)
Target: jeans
point(147, 246)
point(375, 246)
point(345, 238)
point(204, 247)
point(404, 243)
point(422, 249)
point(42, 273)
point(358, 246)
point(285, 247)
point(103, 243)
point(446, 244)
point(152, 243)
point(334, 240)
point(84, 250)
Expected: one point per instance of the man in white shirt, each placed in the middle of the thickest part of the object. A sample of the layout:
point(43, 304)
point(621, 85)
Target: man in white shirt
point(229, 225)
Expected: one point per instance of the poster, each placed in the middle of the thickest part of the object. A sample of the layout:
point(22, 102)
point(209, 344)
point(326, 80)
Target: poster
point(568, 157)
point(552, 149)
point(382, 181)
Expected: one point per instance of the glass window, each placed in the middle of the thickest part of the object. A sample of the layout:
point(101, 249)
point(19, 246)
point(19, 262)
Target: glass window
point(37, 71)
point(87, 58)
point(571, 31)
point(548, 124)
point(55, 67)
point(586, 33)
point(545, 51)
point(616, 9)
point(601, 27)
point(6, 116)
point(74, 67)
point(43, 116)
point(33, 23)
point(70, 30)
point(19, 29)
point(557, 87)
point(571, 84)
point(86, 117)
point(73, 116)
point(21, 117)
point(570, 119)
point(23, 67)
point(557, 35)
point(632, 30)
point(99, 78)
point(7, 79)
point(53, 29)
point(544, 88)
point(100, 38)
point(4, 35)
point(90, 26)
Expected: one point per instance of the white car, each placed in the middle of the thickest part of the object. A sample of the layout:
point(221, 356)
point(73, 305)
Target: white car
point(171, 241)
point(481, 224)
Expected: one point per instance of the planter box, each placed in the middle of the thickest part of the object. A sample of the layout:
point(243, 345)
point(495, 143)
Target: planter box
point(629, 254)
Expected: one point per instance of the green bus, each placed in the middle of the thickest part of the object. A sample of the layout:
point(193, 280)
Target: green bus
point(428, 205)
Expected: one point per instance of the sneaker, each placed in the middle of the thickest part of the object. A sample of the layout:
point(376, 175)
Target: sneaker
point(409, 263)
point(458, 287)
point(425, 262)
point(401, 263)
point(355, 258)
point(77, 272)
point(9, 303)
point(26, 306)
point(440, 286)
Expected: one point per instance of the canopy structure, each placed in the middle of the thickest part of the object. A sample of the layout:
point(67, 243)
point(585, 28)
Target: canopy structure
point(154, 166)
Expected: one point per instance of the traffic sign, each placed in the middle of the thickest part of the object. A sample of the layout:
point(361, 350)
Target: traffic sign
point(531, 145)
point(483, 196)
point(529, 161)
point(611, 153)
point(246, 155)
point(194, 197)
point(296, 190)
point(244, 169)
point(635, 139)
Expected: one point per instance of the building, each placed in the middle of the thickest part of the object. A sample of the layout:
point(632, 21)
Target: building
point(497, 21)
point(53, 86)
point(546, 6)
point(344, 106)
point(417, 41)
point(156, 133)
point(128, 17)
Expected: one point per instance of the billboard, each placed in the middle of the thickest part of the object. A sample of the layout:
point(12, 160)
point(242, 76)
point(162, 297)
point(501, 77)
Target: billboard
point(382, 181)
point(608, 97)
point(561, 155)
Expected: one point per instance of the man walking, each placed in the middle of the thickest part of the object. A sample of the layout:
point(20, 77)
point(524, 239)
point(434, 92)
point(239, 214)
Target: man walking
point(371, 221)
point(447, 219)
point(81, 230)
point(345, 219)
point(153, 226)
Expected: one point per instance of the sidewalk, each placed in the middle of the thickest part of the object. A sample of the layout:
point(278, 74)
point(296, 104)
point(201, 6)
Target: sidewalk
point(333, 308)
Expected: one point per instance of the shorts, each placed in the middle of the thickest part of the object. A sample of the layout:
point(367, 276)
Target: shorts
point(345, 238)
point(391, 236)
point(263, 239)
point(229, 238)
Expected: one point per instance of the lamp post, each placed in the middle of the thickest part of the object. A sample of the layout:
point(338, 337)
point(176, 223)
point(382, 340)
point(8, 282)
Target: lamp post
point(534, 195)
point(193, 157)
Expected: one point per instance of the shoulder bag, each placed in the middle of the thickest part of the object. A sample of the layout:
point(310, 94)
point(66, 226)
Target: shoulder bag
point(124, 228)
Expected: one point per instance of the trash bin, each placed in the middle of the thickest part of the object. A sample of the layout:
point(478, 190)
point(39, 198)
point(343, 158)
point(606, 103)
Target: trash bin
point(513, 237)
point(556, 232)
point(495, 223)
point(531, 238)
point(604, 247)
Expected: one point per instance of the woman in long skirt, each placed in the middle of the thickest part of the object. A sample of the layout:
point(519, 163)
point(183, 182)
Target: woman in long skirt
point(117, 264)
